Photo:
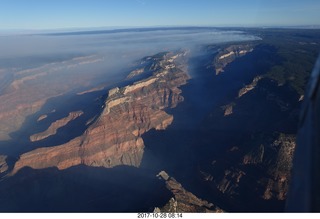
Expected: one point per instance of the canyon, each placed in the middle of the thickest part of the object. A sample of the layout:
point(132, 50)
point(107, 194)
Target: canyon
point(116, 135)
point(221, 120)
point(251, 169)
point(114, 138)
point(26, 90)
point(52, 130)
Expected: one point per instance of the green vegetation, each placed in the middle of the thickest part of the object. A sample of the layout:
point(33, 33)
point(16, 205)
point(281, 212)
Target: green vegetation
point(298, 50)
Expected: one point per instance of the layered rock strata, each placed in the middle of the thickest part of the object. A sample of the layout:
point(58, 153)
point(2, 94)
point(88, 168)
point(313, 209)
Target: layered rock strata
point(115, 137)
point(229, 54)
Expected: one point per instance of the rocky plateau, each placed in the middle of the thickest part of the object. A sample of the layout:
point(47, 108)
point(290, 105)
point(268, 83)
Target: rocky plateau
point(114, 138)
point(52, 130)
point(229, 54)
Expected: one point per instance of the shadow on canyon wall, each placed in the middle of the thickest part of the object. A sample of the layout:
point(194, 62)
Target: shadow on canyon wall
point(200, 132)
point(196, 135)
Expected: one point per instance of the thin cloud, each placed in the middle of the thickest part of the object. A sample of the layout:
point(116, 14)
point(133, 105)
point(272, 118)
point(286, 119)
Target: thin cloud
point(141, 2)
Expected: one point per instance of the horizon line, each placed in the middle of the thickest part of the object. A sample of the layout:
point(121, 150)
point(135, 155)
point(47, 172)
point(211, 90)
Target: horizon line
point(110, 28)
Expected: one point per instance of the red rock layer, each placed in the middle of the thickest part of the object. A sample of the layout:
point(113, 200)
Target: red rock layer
point(115, 137)
point(52, 130)
point(24, 92)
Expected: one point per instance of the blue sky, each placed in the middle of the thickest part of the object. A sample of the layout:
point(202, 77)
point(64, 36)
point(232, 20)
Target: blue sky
point(51, 14)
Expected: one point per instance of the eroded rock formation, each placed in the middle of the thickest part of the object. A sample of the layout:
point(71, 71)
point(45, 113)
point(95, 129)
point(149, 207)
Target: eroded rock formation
point(280, 172)
point(24, 92)
point(52, 130)
point(229, 54)
point(3, 164)
point(228, 109)
point(115, 137)
point(260, 174)
point(183, 200)
point(253, 130)
point(250, 86)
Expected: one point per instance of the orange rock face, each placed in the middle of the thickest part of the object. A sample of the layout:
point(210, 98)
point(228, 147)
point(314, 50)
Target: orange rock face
point(24, 92)
point(52, 130)
point(115, 137)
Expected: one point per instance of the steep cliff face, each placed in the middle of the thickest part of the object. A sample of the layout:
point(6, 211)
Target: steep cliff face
point(229, 54)
point(183, 200)
point(115, 137)
point(266, 165)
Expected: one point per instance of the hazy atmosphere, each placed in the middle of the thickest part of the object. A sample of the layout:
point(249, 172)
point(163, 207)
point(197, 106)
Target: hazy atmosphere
point(104, 54)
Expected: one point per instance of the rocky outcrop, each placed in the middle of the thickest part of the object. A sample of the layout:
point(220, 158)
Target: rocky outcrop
point(52, 130)
point(183, 200)
point(276, 159)
point(280, 172)
point(115, 136)
point(136, 72)
point(249, 87)
point(3, 164)
point(12, 119)
point(264, 168)
point(42, 117)
point(157, 62)
point(301, 98)
point(249, 168)
point(228, 109)
point(229, 54)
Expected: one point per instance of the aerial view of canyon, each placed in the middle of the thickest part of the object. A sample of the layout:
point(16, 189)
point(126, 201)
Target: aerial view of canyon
point(159, 107)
